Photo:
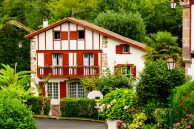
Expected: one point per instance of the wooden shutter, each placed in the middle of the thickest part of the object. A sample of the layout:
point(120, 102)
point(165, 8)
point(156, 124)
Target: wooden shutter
point(73, 35)
point(65, 59)
point(96, 59)
point(119, 49)
point(64, 35)
point(41, 85)
point(62, 89)
point(80, 63)
point(47, 59)
point(133, 70)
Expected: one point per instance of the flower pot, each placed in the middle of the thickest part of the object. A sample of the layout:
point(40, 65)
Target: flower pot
point(112, 124)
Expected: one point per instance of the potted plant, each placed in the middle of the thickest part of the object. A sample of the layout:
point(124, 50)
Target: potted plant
point(116, 105)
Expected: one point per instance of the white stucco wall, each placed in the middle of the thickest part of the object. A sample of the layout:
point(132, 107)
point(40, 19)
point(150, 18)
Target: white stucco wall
point(96, 41)
point(64, 27)
point(88, 39)
point(40, 59)
point(49, 40)
point(134, 58)
point(42, 41)
point(192, 26)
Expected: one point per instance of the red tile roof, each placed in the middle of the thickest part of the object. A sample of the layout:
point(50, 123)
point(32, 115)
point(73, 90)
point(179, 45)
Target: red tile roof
point(94, 28)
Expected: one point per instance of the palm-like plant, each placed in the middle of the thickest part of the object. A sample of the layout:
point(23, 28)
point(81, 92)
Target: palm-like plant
point(161, 46)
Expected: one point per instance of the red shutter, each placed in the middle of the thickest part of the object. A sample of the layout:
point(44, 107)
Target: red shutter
point(96, 62)
point(133, 70)
point(41, 85)
point(64, 35)
point(47, 59)
point(65, 59)
point(119, 49)
point(73, 35)
point(62, 89)
point(80, 63)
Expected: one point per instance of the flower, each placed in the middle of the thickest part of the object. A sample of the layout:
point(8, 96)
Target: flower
point(126, 107)
point(108, 106)
point(188, 127)
point(191, 122)
point(102, 107)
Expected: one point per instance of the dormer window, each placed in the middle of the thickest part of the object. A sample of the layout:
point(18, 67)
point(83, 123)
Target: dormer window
point(125, 48)
point(81, 34)
point(56, 35)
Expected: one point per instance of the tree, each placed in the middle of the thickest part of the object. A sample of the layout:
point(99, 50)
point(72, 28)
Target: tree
point(130, 25)
point(154, 83)
point(10, 53)
point(60, 9)
point(161, 46)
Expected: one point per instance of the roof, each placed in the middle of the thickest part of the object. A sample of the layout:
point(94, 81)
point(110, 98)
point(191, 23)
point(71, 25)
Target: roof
point(92, 27)
point(20, 25)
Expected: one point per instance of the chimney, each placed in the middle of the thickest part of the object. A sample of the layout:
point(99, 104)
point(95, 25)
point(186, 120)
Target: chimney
point(45, 23)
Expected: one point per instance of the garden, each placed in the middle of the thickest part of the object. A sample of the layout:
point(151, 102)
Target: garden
point(158, 99)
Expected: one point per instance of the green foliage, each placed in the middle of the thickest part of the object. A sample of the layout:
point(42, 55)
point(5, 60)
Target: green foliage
point(60, 9)
point(71, 107)
point(154, 83)
point(183, 101)
point(186, 122)
point(115, 105)
point(161, 116)
point(89, 83)
point(36, 103)
point(129, 24)
point(10, 53)
point(162, 45)
point(15, 115)
point(109, 82)
point(138, 121)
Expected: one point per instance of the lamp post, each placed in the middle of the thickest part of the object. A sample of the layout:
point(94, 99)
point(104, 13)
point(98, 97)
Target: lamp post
point(171, 64)
point(173, 4)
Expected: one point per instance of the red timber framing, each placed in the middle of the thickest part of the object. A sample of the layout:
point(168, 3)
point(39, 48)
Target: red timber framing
point(91, 27)
point(65, 70)
point(132, 66)
point(62, 89)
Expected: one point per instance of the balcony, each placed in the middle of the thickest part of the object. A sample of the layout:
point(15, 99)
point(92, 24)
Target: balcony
point(67, 71)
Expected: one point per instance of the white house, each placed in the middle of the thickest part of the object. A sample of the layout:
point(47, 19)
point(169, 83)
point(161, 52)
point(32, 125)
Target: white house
point(71, 49)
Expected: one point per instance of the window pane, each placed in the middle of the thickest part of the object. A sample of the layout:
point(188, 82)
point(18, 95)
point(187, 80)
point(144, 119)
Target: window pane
point(125, 48)
point(49, 90)
point(76, 90)
point(81, 35)
point(91, 59)
point(56, 35)
point(55, 90)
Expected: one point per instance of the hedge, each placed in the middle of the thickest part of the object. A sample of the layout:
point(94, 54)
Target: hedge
point(35, 103)
point(71, 107)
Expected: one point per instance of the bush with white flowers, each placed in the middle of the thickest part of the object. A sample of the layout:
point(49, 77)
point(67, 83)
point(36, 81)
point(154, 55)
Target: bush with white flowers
point(116, 104)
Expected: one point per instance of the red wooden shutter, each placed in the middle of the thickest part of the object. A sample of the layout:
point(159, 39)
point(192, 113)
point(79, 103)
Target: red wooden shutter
point(62, 89)
point(80, 63)
point(119, 49)
point(65, 59)
point(96, 62)
point(47, 59)
point(133, 70)
point(64, 35)
point(73, 35)
point(41, 85)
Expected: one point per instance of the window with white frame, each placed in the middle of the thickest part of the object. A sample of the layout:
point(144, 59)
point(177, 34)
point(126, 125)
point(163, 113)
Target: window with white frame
point(52, 90)
point(81, 34)
point(57, 61)
point(125, 48)
point(76, 90)
point(126, 69)
point(88, 61)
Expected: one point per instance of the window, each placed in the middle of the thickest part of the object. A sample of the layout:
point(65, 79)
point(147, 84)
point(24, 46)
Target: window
point(126, 69)
point(57, 59)
point(56, 35)
point(88, 59)
point(53, 90)
point(76, 90)
point(81, 34)
point(125, 48)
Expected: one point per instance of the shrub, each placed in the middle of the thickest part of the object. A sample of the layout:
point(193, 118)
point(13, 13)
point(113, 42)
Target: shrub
point(14, 114)
point(35, 103)
point(154, 83)
point(138, 121)
point(161, 116)
point(183, 101)
point(116, 104)
point(71, 107)
point(186, 122)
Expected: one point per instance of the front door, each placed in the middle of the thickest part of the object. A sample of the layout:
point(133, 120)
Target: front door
point(53, 92)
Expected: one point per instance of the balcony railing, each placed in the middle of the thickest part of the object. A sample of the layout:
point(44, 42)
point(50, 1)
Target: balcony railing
point(67, 71)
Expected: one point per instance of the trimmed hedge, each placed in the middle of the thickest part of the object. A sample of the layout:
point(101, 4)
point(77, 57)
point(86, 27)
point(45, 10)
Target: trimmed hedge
point(35, 103)
point(71, 107)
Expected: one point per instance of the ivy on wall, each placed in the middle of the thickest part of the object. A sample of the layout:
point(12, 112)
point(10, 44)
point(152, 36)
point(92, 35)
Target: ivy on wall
point(10, 53)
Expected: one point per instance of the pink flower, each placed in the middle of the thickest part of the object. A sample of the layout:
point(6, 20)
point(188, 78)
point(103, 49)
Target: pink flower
point(182, 119)
point(108, 106)
point(191, 122)
point(177, 124)
point(188, 127)
point(174, 128)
